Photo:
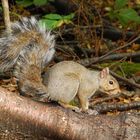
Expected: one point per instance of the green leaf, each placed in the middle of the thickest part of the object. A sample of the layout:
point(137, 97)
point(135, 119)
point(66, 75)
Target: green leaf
point(119, 4)
point(112, 14)
point(69, 17)
point(40, 2)
point(25, 3)
point(52, 21)
point(51, 0)
point(63, 21)
point(59, 17)
point(53, 16)
point(49, 24)
point(1, 9)
point(128, 15)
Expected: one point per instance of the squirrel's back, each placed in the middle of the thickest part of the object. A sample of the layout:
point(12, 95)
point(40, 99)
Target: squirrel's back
point(26, 35)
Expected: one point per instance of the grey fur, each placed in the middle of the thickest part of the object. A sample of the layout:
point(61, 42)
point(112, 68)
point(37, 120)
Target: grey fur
point(28, 50)
point(10, 54)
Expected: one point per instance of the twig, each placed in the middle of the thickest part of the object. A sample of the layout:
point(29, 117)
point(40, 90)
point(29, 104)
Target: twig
point(101, 20)
point(6, 15)
point(119, 107)
point(105, 99)
point(109, 57)
point(112, 51)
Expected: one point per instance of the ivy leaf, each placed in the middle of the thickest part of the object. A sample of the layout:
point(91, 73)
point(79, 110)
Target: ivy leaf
point(69, 17)
point(53, 16)
point(52, 21)
point(39, 2)
point(128, 15)
point(25, 3)
point(119, 4)
point(49, 24)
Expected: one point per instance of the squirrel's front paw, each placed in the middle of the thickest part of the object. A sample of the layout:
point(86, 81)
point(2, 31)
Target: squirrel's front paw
point(76, 109)
point(92, 112)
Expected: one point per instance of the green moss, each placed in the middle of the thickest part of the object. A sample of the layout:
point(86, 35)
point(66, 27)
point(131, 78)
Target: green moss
point(128, 68)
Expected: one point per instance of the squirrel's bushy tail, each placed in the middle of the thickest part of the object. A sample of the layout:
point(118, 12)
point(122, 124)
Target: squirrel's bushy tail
point(27, 50)
point(28, 73)
point(26, 35)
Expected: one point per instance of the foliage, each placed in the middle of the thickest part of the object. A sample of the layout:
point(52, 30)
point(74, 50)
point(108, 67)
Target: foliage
point(50, 20)
point(130, 68)
point(123, 13)
point(55, 20)
point(26, 3)
point(0, 9)
point(127, 67)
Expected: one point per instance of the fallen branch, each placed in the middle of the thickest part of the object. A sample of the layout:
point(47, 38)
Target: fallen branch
point(104, 108)
point(112, 51)
point(110, 57)
point(22, 118)
point(92, 103)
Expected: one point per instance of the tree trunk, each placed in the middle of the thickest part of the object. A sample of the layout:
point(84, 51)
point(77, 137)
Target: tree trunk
point(23, 118)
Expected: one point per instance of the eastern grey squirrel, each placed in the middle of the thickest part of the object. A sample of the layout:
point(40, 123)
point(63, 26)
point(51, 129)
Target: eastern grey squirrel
point(68, 79)
point(28, 49)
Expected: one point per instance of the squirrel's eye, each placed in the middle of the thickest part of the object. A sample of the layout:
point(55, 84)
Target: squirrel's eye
point(111, 82)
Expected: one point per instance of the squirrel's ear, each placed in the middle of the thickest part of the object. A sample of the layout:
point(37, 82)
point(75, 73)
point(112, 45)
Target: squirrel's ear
point(104, 72)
